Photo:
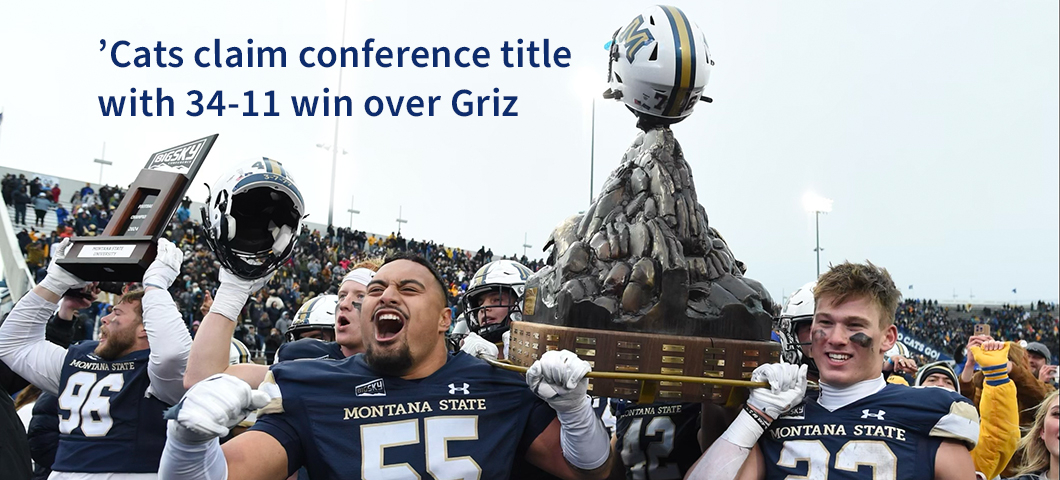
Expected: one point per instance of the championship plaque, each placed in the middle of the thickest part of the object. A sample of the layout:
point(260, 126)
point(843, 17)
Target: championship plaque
point(127, 245)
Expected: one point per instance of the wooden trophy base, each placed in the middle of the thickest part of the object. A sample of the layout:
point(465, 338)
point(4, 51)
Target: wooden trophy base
point(647, 353)
point(110, 259)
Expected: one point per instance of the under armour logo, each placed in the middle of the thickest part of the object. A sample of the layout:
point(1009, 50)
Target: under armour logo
point(878, 416)
point(453, 389)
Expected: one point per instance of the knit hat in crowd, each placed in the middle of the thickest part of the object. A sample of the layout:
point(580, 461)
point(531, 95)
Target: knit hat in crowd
point(937, 367)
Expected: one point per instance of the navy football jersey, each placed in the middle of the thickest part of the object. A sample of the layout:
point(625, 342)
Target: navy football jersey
point(893, 433)
point(309, 348)
point(340, 419)
point(107, 422)
point(658, 441)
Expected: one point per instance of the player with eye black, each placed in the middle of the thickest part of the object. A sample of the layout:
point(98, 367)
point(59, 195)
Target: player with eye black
point(858, 425)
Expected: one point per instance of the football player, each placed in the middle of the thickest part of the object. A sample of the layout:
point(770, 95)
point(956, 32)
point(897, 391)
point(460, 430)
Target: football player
point(320, 326)
point(111, 392)
point(492, 302)
point(405, 408)
point(343, 319)
point(859, 424)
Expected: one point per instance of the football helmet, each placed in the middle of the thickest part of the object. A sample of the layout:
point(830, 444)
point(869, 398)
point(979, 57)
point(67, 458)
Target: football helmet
point(457, 333)
point(238, 353)
point(797, 312)
point(316, 314)
point(898, 349)
point(498, 277)
point(659, 64)
point(252, 216)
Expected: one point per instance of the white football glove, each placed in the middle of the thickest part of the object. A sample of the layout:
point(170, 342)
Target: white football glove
point(164, 270)
point(559, 378)
point(213, 406)
point(233, 292)
point(58, 280)
point(787, 386)
point(476, 346)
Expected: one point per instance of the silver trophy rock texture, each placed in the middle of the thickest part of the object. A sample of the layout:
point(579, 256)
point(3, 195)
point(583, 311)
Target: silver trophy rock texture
point(643, 258)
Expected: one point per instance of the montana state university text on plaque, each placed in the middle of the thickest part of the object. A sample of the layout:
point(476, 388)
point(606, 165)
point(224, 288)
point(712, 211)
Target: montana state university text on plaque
point(128, 243)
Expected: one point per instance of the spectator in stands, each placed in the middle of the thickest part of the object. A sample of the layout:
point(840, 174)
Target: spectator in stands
point(1038, 355)
point(1040, 447)
point(253, 341)
point(283, 323)
point(183, 212)
point(60, 214)
point(87, 191)
point(56, 191)
point(272, 343)
point(41, 205)
point(21, 199)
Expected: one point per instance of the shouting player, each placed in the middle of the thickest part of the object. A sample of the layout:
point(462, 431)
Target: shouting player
point(404, 408)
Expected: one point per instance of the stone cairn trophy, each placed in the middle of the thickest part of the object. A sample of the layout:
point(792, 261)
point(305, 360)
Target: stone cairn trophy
point(642, 284)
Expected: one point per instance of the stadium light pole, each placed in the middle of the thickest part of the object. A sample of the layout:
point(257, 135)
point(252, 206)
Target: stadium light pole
point(526, 244)
point(400, 221)
point(335, 141)
point(585, 85)
point(818, 205)
point(352, 211)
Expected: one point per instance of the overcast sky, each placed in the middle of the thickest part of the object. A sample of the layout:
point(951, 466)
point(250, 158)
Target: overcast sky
point(932, 125)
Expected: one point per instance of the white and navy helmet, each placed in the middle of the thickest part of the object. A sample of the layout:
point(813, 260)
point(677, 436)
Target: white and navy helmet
point(496, 276)
point(316, 314)
point(238, 353)
point(252, 217)
point(659, 64)
point(798, 311)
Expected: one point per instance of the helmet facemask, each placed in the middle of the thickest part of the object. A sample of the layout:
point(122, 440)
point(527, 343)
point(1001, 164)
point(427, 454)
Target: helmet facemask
point(791, 347)
point(509, 304)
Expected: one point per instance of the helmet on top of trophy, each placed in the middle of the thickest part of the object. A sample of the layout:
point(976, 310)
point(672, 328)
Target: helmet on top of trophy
point(252, 217)
point(797, 313)
point(659, 64)
point(494, 298)
point(317, 314)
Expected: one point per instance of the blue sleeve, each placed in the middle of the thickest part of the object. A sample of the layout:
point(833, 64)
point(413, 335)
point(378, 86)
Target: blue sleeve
point(539, 418)
point(278, 426)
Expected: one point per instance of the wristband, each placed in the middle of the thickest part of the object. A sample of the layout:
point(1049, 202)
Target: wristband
point(762, 421)
point(745, 431)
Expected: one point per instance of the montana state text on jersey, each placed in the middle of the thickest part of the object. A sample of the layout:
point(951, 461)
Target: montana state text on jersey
point(893, 433)
point(340, 419)
point(124, 430)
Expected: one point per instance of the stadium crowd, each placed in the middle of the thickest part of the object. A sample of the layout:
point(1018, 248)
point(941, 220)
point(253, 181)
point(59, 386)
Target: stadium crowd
point(949, 326)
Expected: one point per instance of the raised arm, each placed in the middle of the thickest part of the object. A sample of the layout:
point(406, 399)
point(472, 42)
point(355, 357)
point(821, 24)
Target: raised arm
point(209, 350)
point(166, 331)
point(23, 346)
